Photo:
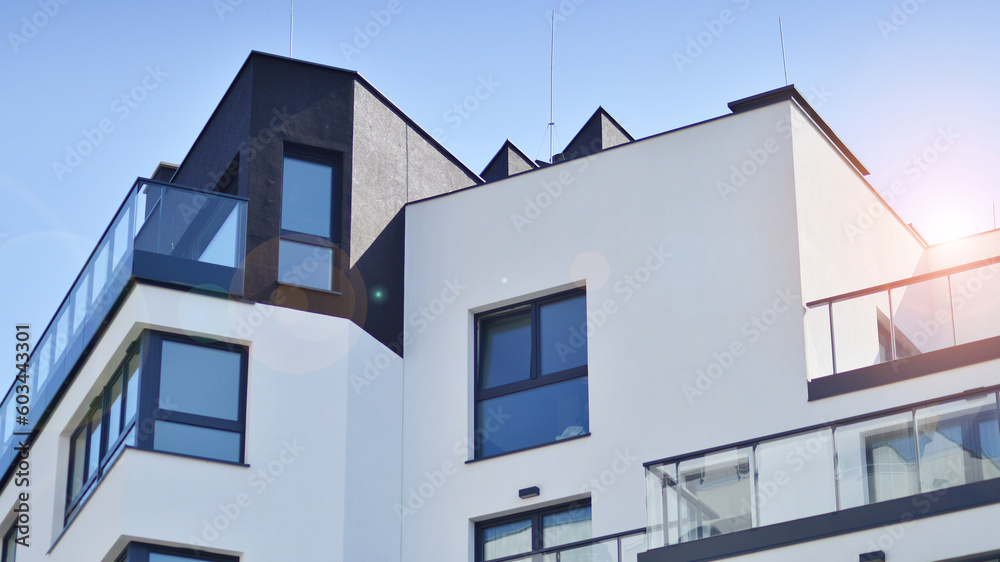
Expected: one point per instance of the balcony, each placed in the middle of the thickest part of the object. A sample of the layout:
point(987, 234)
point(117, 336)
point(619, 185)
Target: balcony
point(615, 548)
point(908, 328)
point(919, 461)
point(162, 233)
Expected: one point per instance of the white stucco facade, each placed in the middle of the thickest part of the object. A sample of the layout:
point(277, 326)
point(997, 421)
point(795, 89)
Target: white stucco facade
point(703, 253)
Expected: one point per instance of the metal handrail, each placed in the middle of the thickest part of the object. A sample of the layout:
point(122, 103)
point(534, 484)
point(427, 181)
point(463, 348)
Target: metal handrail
point(904, 282)
point(129, 203)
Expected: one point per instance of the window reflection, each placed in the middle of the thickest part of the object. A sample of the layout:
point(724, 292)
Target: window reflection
point(715, 494)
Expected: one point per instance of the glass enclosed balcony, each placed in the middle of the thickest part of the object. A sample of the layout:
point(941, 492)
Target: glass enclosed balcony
point(923, 314)
point(162, 233)
point(828, 469)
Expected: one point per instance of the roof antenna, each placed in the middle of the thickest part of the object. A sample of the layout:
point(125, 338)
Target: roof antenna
point(291, 30)
point(552, 64)
point(550, 129)
point(781, 33)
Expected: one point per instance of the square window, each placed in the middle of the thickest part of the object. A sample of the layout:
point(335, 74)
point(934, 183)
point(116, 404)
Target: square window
point(531, 374)
point(200, 380)
point(305, 265)
point(534, 532)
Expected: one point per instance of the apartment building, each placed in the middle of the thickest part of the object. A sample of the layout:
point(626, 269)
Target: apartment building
point(323, 337)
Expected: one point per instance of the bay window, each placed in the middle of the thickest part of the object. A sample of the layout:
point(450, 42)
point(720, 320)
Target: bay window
point(171, 394)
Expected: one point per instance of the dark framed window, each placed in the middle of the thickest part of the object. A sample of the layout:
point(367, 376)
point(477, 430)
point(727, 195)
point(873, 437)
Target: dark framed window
point(171, 394)
point(530, 533)
point(310, 218)
point(9, 553)
point(107, 428)
point(141, 552)
point(531, 374)
point(194, 397)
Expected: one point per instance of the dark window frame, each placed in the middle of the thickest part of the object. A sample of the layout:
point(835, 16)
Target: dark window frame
point(139, 552)
point(150, 410)
point(148, 348)
point(536, 379)
point(335, 160)
point(881, 438)
point(108, 451)
point(5, 555)
point(537, 530)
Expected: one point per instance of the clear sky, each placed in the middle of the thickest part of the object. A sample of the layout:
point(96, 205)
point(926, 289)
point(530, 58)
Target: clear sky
point(910, 86)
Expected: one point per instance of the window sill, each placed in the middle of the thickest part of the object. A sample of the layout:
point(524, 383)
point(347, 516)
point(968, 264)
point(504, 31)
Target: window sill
point(505, 453)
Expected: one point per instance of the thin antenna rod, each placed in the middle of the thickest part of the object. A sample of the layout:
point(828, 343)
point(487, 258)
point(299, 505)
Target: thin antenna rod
point(552, 64)
point(291, 30)
point(781, 32)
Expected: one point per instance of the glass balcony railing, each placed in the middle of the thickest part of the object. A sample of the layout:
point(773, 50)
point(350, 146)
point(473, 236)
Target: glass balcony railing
point(617, 548)
point(898, 320)
point(162, 233)
point(826, 469)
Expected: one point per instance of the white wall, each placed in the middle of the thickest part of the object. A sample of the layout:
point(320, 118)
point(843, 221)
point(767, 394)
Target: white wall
point(733, 257)
point(754, 224)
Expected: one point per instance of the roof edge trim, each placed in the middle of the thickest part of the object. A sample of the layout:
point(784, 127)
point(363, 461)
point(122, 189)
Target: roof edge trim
point(791, 93)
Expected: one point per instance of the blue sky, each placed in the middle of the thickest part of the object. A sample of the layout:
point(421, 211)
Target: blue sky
point(910, 86)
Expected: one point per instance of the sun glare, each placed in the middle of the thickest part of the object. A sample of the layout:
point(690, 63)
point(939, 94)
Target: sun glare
point(951, 223)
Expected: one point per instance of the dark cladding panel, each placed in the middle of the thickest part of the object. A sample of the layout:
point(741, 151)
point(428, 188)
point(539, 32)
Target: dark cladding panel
point(219, 142)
